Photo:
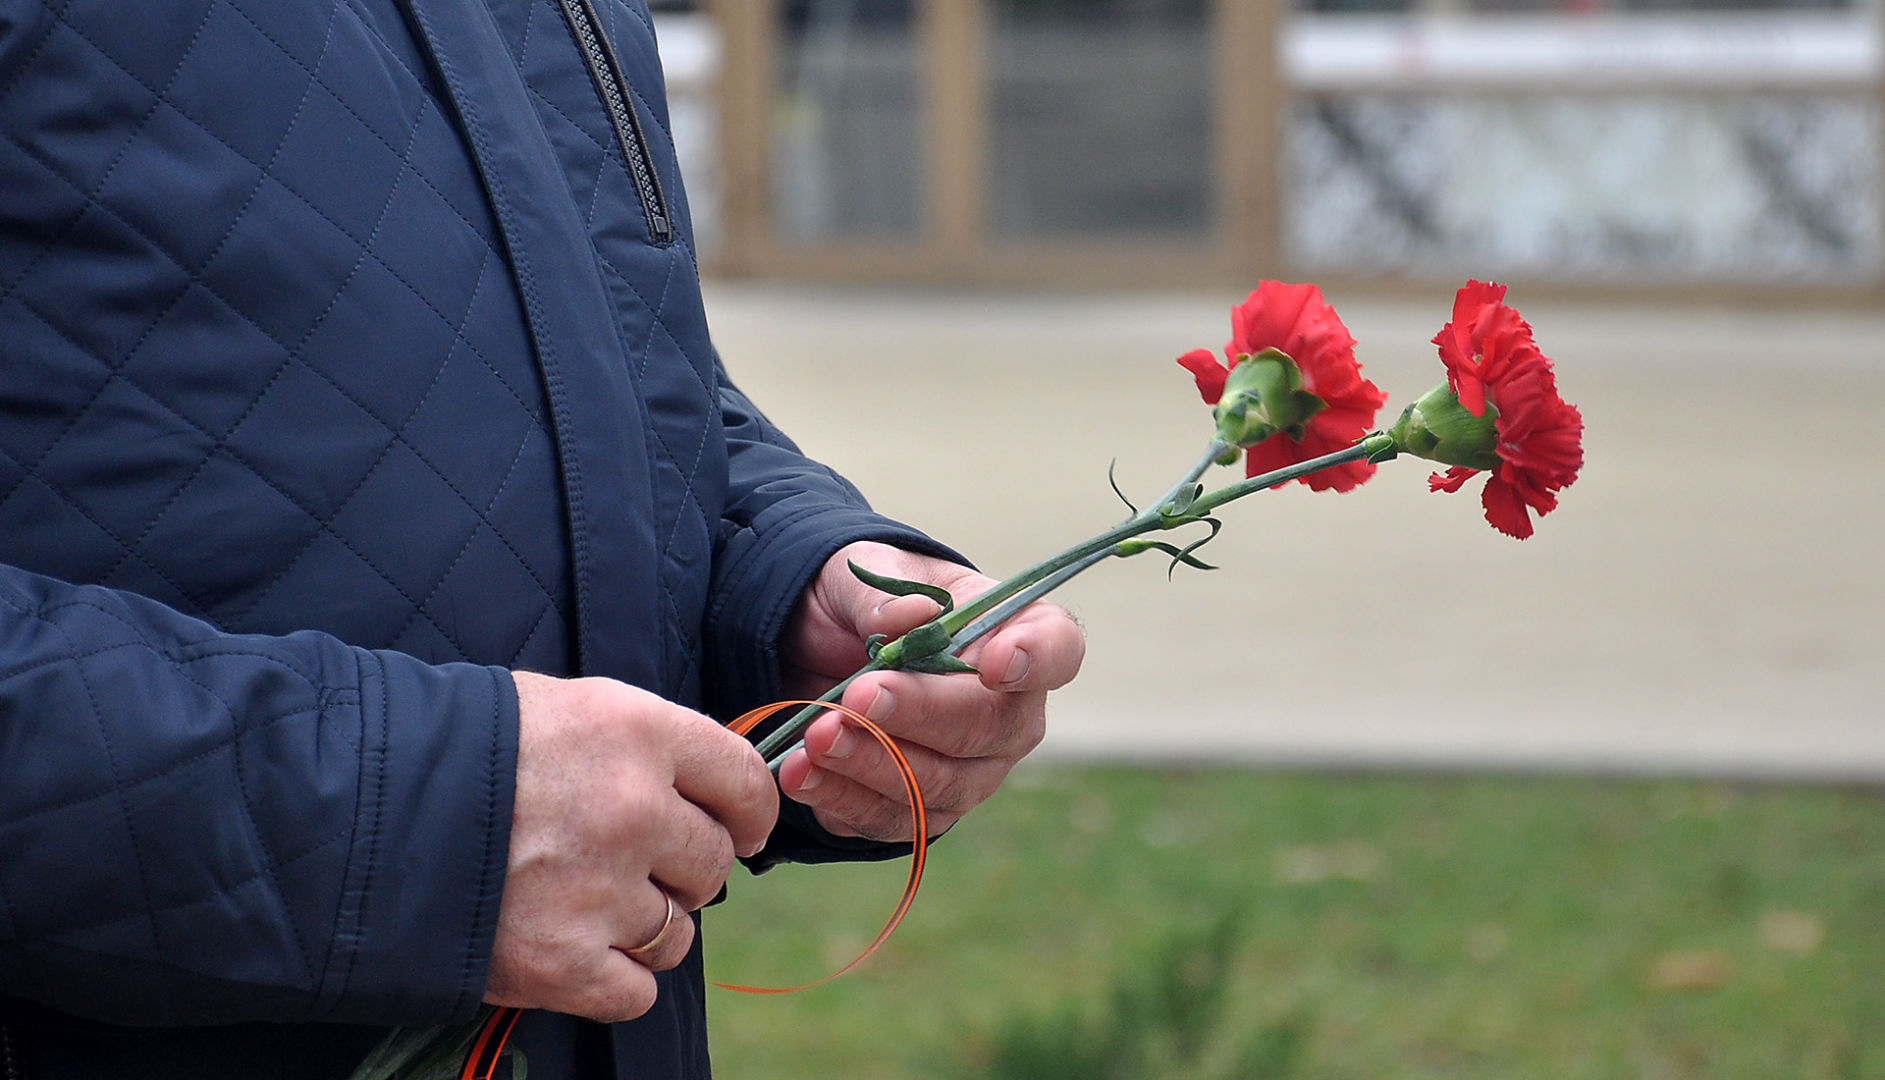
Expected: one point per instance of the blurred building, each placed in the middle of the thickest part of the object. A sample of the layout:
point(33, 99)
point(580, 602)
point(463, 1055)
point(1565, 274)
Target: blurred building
point(1707, 145)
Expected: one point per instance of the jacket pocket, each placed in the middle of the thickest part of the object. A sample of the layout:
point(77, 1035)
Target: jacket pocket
point(605, 70)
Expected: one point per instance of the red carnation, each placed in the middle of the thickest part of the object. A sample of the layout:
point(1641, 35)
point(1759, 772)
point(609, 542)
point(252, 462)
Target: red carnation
point(1296, 321)
point(1485, 341)
point(1490, 355)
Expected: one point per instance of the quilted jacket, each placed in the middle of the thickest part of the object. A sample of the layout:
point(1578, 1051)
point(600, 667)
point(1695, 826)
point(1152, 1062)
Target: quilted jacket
point(351, 354)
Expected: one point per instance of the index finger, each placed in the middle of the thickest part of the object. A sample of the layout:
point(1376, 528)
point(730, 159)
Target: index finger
point(722, 774)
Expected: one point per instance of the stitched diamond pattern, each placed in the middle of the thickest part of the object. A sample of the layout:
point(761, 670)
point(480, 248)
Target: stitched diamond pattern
point(260, 390)
point(326, 381)
point(114, 808)
point(662, 325)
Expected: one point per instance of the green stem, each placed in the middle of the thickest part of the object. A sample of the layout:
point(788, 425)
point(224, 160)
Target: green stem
point(1067, 568)
point(787, 736)
point(1007, 608)
point(774, 748)
point(1142, 522)
point(1229, 492)
point(784, 739)
point(995, 606)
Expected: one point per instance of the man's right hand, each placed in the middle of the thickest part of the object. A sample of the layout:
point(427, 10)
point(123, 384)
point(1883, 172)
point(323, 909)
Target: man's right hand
point(623, 800)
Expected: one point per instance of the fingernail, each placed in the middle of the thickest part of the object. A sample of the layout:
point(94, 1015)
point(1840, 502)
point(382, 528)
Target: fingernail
point(881, 706)
point(843, 745)
point(1017, 668)
point(813, 778)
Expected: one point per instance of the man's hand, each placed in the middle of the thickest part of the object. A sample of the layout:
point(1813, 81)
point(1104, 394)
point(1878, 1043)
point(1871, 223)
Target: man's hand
point(624, 803)
point(961, 734)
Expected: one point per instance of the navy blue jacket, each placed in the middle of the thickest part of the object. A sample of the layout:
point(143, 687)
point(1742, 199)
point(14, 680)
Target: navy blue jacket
point(351, 355)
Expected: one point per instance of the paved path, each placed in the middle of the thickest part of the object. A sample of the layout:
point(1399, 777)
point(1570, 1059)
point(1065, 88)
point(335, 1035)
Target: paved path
point(1709, 598)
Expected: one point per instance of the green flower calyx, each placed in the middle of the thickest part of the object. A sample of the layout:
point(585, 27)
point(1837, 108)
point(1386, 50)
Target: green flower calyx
point(1263, 394)
point(1438, 428)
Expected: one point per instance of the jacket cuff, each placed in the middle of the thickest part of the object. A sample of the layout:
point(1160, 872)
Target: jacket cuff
point(438, 772)
point(763, 570)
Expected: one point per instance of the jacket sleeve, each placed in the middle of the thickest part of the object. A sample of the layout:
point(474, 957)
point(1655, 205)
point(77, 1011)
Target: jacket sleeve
point(785, 515)
point(200, 828)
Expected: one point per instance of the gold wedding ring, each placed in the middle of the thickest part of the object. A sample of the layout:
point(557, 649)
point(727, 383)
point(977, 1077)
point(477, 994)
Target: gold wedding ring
point(661, 933)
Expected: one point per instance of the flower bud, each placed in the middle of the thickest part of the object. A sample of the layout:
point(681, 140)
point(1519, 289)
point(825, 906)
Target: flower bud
point(1439, 428)
point(1263, 394)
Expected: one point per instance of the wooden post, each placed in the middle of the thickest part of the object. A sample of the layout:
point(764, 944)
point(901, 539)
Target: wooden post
point(745, 90)
point(1252, 97)
point(955, 126)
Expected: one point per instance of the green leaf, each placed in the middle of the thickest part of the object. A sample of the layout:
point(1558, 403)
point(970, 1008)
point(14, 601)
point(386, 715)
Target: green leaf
point(926, 640)
point(924, 649)
point(1115, 485)
point(901, 587)
point(1178, 556)
point(941, 664)
point(1381, 447)
point(1186, 555)
point(398, 1048)
point(435, 1053)
point(1181, 502)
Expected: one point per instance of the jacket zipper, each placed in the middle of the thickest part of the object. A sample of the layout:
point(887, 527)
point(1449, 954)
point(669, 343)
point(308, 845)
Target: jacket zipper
point(606, 70)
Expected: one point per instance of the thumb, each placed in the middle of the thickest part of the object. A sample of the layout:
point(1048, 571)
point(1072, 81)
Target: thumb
point(852, 605)
point(868, 609)
point(839, 611)
point(895, 616)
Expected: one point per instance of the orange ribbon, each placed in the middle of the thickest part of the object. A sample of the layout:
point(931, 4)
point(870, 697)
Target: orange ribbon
point(920, 829)
point(485, 1052)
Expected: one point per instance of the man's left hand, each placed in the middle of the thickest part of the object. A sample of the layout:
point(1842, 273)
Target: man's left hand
point(961, 734)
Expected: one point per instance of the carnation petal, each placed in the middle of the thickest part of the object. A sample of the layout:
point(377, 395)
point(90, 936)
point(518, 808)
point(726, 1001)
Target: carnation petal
point(1505, 510)
point(1491, 357)
point(1483, 336)
point(1208, 371)
point(1273, 316)
point(1451, 480)
point(1272, 453)
point(1475, 296)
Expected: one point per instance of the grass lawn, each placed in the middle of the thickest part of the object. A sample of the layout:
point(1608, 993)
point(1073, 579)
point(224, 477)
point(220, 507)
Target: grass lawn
point(1119, 922)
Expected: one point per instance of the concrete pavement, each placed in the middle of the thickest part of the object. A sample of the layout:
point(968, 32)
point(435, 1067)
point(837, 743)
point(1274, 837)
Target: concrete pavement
point(1706, 600)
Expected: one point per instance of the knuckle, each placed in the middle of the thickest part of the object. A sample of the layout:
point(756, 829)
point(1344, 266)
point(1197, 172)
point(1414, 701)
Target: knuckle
point(890, 826)
point(632, 809)
point(991, 736)
point(675, 950)
point(881, 819)
point(719, 857)
point(756, 786)
point(950, 791)
point(861, 811)
point(1015, 728)
point(535, 975)
point(625, 999)
point(715, 864)
point(1030, 733)
point(760, 802)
